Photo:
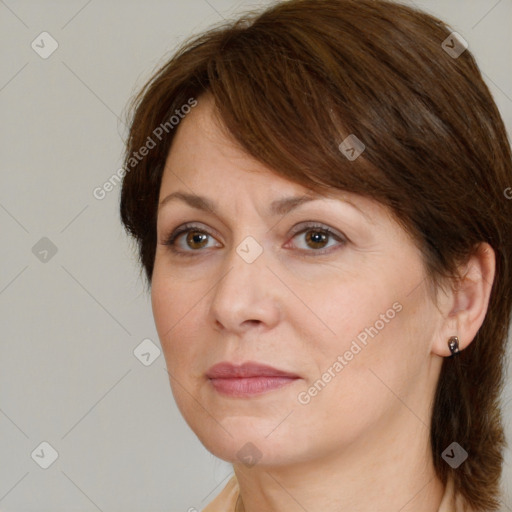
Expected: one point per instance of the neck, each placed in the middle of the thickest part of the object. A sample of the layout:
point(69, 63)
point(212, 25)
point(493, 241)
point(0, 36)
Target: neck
point(384, 471)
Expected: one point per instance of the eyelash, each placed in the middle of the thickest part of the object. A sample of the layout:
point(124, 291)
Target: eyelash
point(171, 240)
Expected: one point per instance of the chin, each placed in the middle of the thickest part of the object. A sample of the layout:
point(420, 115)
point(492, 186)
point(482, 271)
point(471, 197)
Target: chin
point(248, 446)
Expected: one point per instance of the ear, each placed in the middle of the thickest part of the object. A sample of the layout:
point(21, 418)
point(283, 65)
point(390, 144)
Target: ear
point(464, 307)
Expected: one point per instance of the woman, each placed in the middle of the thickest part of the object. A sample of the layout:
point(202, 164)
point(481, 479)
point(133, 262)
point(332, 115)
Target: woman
point(317, 194)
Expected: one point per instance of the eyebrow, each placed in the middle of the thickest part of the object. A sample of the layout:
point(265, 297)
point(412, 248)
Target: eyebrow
point(277, 207)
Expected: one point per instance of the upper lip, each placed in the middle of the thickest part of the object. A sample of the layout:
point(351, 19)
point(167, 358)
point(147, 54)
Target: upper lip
point(227, 370)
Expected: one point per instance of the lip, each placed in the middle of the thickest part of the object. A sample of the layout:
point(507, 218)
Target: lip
point(247, 379)
point(227, 370)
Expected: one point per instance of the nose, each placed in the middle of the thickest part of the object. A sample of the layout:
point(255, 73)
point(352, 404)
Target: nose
point(247, 295)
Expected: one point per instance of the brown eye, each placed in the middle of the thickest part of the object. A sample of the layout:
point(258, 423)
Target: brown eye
point(317, 239)
point(196, 237)
point(191, 244)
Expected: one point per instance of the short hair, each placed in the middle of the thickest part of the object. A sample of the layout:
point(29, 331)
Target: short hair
point(290, 84)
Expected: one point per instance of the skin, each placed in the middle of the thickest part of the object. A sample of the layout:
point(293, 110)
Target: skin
point(361, 443)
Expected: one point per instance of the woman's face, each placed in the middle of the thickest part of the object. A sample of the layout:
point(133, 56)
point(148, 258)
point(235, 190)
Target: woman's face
point(347, 314)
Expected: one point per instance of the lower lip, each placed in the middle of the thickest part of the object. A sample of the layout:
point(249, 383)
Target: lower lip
point(250, 386)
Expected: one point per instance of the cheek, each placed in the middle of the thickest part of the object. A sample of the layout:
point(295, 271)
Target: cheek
point(175, 310)
point(357, 384)
point(358, 312)
point(172, 299)
point(164, 305)
point(374, 332)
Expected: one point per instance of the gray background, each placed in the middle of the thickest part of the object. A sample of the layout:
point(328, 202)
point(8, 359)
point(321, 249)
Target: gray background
point(70, 323)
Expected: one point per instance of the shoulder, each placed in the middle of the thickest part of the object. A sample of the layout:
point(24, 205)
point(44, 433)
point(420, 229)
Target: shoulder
point(225, 501)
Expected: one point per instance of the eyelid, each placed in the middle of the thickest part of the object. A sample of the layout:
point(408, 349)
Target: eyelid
point(303, 226)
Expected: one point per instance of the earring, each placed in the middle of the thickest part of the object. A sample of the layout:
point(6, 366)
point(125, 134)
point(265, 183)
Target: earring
point(453, 345)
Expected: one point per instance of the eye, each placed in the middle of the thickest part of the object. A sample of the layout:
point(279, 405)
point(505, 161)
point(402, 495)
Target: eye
point(317, 238)
point(195, 239)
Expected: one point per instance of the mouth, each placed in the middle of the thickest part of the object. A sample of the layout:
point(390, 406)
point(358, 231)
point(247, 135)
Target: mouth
point(248, 379)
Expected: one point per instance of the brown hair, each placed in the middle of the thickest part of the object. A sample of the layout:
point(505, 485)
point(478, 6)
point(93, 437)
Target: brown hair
point(290, 84)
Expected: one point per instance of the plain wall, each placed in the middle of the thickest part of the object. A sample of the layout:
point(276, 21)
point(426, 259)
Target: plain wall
point(71, 320)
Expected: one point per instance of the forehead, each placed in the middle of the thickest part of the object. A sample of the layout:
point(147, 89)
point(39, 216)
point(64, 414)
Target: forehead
point(205, 160)
point(204, 154)
point(202, 131)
